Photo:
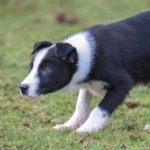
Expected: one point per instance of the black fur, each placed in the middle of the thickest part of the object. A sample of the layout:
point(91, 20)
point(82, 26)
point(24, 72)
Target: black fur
point(60, 65)
point(122, 57)
point(40, 45)
point(66, 52)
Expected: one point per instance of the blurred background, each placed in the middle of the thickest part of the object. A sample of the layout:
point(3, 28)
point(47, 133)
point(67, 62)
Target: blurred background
point(24, 22)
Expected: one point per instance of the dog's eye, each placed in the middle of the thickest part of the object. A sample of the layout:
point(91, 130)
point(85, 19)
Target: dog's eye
point(46, 69)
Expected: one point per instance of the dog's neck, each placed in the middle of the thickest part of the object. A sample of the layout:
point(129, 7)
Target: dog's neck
point(85, 46)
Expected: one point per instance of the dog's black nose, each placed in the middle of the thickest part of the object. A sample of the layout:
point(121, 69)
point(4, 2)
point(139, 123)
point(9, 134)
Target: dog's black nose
point(24, 88)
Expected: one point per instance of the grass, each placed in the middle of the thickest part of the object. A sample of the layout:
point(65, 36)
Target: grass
point(26, 124)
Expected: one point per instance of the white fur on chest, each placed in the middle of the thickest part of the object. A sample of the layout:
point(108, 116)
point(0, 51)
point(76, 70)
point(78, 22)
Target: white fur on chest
point(85, 46)
point(96, 88)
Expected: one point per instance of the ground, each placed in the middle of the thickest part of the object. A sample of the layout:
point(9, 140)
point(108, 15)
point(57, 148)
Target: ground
point(27, 124)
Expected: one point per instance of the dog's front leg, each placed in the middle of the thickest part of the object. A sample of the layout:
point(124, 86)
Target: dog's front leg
point(113, 98)
point(81, 112)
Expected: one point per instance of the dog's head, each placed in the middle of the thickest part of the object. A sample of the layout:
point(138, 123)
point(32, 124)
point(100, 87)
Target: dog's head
point(51, 68)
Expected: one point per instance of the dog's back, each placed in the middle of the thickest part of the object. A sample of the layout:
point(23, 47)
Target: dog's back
point(124, 44)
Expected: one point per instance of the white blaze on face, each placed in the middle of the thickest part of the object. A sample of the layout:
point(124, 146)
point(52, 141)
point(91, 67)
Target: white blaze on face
point(32, 80)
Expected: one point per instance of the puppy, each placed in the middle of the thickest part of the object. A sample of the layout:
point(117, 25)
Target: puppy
point(113, 58)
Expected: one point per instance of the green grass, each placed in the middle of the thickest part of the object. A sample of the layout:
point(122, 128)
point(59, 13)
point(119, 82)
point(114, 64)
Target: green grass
point(26, 124)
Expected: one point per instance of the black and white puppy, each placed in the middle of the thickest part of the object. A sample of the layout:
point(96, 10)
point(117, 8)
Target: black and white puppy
point(112, 57)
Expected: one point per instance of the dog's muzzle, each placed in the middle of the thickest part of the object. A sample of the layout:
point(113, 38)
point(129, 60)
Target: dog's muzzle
point(24, 88)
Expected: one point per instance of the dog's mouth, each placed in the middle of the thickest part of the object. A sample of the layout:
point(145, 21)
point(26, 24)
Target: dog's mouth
point(28, 95)
point(43, 91)
point(36, 94)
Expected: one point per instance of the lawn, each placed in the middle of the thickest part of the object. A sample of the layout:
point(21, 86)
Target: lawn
point(27, 124)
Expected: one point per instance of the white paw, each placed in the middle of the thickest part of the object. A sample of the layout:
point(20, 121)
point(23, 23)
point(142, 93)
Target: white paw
point(59, 127)
point(69, 125)
point(147, 127)
point(95, 122)
point(73, 123)
point(84, 129)
point(89, 127)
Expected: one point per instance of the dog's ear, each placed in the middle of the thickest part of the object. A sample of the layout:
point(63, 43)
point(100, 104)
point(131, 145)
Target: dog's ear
point(40, 45)
point(66, 52)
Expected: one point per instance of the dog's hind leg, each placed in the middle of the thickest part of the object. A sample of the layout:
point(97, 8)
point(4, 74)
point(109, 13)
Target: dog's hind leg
point(81, 112)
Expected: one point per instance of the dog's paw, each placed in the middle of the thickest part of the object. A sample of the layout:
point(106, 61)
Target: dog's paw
point(95, 122)
point(59, 127)
point(66, 126)
point(147, 127)
point(85, 129)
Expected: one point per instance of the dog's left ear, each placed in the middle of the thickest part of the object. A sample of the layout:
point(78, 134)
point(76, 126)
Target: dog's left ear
point(40, 45)
point(66, 52)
